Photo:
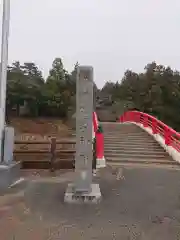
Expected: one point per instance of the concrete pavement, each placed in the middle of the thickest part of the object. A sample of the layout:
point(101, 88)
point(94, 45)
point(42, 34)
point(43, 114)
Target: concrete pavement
point(138, 204)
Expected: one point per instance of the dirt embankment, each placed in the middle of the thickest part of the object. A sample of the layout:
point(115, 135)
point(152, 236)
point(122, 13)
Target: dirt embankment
point(32, 129)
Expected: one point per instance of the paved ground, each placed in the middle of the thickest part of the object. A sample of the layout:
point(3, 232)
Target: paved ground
point(138, 204)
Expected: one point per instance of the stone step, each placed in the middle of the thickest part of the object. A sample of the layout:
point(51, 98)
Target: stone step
point(130, 165)
point(117, 124)
point(135, 151)
point(122, 128)
point(133, 130)
point(125, 134)
point(112, 127)
point(125, 142)
point(128, 139)
point(131, 145)
point(142, 161)
point(129, 133)
point(143, 158)
point(118, 133)
point(147, 138)
point(116, 136)
point(129, 148)
point(137, 155)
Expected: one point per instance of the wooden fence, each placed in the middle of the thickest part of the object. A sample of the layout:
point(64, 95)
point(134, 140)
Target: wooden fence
point(51, 154)
point(45, 153)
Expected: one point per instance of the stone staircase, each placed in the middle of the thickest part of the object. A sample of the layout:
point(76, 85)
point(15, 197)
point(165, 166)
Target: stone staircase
point(129, 144)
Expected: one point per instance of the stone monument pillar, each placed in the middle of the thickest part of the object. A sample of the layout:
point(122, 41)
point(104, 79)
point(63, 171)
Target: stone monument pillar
point(82, 190)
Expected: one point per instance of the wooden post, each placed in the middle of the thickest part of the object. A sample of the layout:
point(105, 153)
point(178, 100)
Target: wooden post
point(53, 154)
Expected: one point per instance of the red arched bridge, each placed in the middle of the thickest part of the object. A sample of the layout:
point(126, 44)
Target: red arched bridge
point(139, 138)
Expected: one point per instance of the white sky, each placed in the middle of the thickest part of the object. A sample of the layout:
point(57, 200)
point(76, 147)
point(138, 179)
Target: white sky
point(111, 35)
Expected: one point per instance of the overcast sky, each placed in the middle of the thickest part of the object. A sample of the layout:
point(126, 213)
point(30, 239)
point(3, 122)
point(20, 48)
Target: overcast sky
point(111, 35)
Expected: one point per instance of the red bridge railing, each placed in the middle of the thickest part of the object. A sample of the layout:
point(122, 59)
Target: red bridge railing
point(99, 136)
point(170, 136)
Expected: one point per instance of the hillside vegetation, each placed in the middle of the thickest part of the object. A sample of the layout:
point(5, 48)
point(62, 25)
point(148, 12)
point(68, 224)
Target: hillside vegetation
point(155, 91)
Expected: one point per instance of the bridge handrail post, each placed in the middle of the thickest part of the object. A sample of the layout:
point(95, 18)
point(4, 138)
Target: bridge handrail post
point(137, 116)
point(167, 135)
point(145, 121)
point(154, 126)
point(131, 116)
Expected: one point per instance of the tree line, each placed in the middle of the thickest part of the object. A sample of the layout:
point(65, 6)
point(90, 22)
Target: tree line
point(28, 90)
point(155, 91)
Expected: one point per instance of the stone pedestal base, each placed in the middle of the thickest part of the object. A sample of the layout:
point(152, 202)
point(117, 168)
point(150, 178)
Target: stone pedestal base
point(92, 197)
point(9, 174)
